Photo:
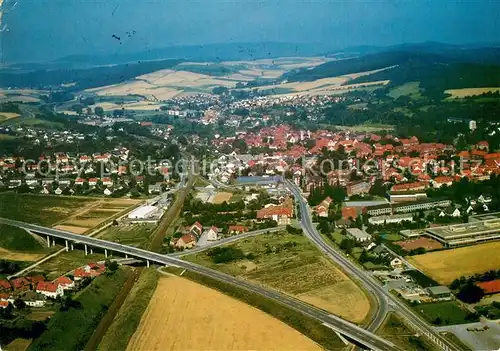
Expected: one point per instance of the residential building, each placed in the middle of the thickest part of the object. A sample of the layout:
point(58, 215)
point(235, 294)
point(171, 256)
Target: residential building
point(358, 234)
point(237, 229)
point(398, 218)
point(440, 292)
point(90, 270)
point(65, 283)
point(359, 187)
point(212, 234)
point(49, 289)
point(186, 241)
point(5, 285)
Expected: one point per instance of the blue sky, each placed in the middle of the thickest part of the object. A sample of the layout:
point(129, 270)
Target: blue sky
point(46, 29)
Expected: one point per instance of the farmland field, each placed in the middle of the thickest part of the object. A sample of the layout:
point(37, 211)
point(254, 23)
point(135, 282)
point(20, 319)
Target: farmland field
point(5, 116)
point(18, 345)
point(20, 256)
point(94, 214)
point(290, 263)
point(16, 239)
point(169, 319)
point(460, 93)
point(446, 266)
point(138, 235)
point(44, 210)
point(411, 89)
point(129, 316)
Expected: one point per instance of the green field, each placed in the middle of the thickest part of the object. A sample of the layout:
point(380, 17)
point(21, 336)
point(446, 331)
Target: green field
point(70, 330)
point(16, 239)
point(128, 317)
point(138, 235)
point(411, 89)
point(292, 264)
point(449, 312)
point(43, 210)
point(393, 329)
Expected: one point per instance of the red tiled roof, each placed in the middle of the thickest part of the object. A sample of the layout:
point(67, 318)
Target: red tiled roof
point(491, 287)
point(47, 286)
point(274, 211)
point(4, 284)
point(63, 281)
point(238, 228)
point(4, 304)
point(19, 283)
point(36, 278)
point(4, 296)
point(90, 270)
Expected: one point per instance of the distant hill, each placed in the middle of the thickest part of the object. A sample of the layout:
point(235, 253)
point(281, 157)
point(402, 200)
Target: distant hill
point(372, 58)
point(357, 64)
point(202, 53)
point(82, 78)
point(436, 66)
point(436, 77)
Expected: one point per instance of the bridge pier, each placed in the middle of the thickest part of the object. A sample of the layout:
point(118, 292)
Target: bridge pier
point(86, 250)
point(126, 256)
point(48, 241)
point(72, 247)
point(91, 251)
point(67, 247)
point(106, 253)
point(147, 263)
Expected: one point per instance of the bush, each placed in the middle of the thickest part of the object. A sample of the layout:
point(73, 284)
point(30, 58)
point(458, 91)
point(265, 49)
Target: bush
point(225, 254)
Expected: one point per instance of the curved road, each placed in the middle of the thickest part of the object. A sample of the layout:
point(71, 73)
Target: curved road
point(383, 297)
point(348, 329)
point(224, 241)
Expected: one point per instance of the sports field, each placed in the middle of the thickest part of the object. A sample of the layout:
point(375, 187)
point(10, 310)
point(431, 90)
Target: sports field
point(446, 266)
point(183, 315)
point(222, 196)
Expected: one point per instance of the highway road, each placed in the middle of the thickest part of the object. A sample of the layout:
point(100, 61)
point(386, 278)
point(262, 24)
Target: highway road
point(346, 328)
point(384, 298)
point(224, 241)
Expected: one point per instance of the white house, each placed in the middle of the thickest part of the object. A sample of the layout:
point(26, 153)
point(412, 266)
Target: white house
point(51, 290)
point(33, 299)
point(212, 234)
point(65, 283)
point(396, 263)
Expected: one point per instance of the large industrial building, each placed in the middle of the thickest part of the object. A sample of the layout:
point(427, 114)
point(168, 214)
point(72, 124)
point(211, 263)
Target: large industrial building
point(460, 234)
point(466, 233)
point(143, 212)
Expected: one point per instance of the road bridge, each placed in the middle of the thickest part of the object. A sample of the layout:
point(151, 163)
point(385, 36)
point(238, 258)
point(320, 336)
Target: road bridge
point(348, 329)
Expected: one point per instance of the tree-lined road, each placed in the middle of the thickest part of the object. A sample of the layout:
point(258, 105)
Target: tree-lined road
point(346, 328)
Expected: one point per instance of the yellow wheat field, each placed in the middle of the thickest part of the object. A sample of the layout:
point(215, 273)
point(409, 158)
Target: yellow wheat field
point(460, 93)
point(183, 315)
point(446, 266)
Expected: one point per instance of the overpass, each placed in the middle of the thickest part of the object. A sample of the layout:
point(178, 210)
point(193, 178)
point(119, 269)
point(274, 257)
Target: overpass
point(348, 329)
